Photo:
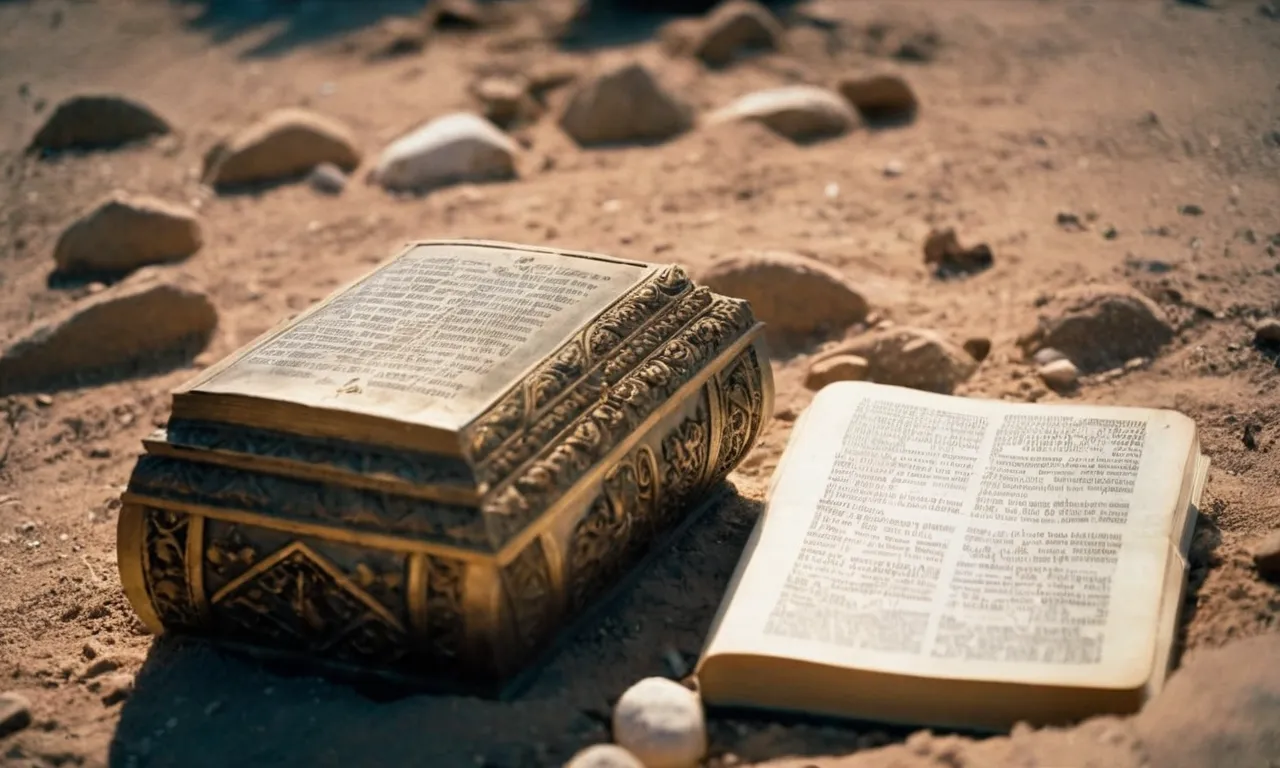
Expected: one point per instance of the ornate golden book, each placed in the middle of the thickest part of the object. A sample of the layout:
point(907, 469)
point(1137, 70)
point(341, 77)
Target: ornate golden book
point(426, 477)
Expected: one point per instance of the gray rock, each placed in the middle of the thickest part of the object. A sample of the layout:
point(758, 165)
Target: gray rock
point(734, 27)
point(604, 756)
point(124, 232)
point(151, 314)
point(15, 713)
point(94, 122)
point(911, 357)
point(1221, 708)
point(793, 294)
point(1099, 328)
point(798, 112)
point(661, 723)
point(459, 147)
point(284, 145)
point(837, 368)
point(328, 179)
point(624, 104)
point(880, 97)
point(1059, 375)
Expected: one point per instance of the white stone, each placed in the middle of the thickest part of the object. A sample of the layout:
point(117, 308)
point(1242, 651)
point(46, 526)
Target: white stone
point(1060, 374)
point(1047, 355)
point(604, 756)
point(799, 112)
point(661, 723)
point(459, 147)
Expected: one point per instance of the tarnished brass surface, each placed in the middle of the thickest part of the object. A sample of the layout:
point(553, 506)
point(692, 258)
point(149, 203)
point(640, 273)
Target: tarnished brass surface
point(447, 570)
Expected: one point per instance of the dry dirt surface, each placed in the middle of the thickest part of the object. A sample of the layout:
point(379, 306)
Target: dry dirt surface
point(1121, 143)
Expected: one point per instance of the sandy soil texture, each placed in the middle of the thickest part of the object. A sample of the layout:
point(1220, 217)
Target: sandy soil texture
point(1153, 125)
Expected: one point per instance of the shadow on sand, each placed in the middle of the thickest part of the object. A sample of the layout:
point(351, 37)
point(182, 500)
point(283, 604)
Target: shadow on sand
point(298, 23)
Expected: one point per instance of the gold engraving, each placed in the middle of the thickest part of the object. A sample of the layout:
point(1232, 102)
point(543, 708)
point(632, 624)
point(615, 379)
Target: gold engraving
point(347, 531)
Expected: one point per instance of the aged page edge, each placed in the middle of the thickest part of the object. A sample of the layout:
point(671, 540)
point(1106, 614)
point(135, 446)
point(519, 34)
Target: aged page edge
point(998, 410)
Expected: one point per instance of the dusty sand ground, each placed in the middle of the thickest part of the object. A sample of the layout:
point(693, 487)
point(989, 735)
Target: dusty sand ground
point(1123, 110)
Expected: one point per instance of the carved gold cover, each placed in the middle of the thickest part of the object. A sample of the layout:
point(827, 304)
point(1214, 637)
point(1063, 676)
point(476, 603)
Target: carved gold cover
point(441, 567)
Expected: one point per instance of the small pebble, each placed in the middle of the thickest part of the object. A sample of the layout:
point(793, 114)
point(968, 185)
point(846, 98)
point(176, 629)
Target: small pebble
point(1070, 222)
point(661, 723)
point(1266, 555)
point(44, 401)
point(327, 179)
point(978, 347)
point(893, 169)
point(1110, 232)
point(604, 756)
point(15, 713)
point(1267, 332)
point(1190, 209)
point(1059, 375)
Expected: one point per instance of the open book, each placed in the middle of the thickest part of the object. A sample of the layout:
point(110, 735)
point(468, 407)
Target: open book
point(936, 560)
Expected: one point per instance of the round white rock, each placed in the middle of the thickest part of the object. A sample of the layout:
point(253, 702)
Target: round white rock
point(661, 723)
point(604, 756)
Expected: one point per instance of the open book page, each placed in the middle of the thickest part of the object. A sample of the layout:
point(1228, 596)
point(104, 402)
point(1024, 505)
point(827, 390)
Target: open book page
point(431, 337)
point(948, 537)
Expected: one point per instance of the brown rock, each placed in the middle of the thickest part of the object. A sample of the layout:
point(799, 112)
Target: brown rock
point(678, 36)
point(1222, 708)
point(793, 294)
point(1099, 328)
point(880, 97)
point(911, 357)
point(124, 232)
point(151, 314)
point(942, 251)
point(1266, 556)
point(285, 144)
point(624, 104)
point(113, 688)
point(1267, 332)
point(837, 368)
point(15, 713)
point(978, 347)
point(92, 122)
point(397, 37)
point(456, 14)
point(798, 112)
point(505, 100)
point(734, 27)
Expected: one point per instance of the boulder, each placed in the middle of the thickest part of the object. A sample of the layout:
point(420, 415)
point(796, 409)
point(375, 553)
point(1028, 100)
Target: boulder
point(154, 313)
point(734, 27)
point(284, 145)
point(97, 122)
point(799, 112)
point(1098, 328)
point(793, 294)
point(624, 104)
point(124, 232)
point(456, 148)
point(910, 357)
point(661, 723)
point(880, 97)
